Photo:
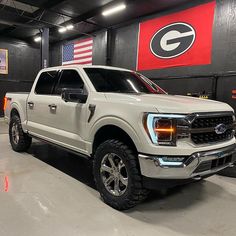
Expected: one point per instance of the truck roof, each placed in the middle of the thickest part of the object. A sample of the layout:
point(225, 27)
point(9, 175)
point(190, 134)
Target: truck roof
point(82, 67)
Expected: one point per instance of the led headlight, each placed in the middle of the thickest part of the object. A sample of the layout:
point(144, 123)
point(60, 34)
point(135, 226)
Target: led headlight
point(162, 128)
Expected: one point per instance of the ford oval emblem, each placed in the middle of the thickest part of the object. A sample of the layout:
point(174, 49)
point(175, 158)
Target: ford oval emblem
point(220, 129)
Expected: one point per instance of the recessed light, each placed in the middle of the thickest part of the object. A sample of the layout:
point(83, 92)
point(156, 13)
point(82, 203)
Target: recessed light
point(62, 29)
point(114, 9)
point(70, 27)
point(37, 39)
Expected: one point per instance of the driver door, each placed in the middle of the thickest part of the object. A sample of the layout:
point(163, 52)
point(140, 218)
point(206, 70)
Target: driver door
point(69, 119)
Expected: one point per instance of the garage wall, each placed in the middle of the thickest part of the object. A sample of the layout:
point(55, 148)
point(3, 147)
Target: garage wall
point(55, 54)
point(182, 86)
point(24, 63)
point(224, 44)
point(223, 56)
point(224, 90)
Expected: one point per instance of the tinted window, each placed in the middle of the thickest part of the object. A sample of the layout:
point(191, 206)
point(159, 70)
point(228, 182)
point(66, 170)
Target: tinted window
point(46, 82)
point(69, 79)
point(117, 81)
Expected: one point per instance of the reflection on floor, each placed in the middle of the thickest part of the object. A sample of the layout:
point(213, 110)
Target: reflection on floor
point(48, 191)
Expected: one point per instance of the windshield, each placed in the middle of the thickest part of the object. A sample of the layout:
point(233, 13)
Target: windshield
point(118, 81)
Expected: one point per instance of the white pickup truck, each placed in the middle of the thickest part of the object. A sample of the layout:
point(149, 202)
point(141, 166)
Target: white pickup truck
point(138, 136)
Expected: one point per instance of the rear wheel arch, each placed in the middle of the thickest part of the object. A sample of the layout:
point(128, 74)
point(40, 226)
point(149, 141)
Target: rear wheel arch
point(20, 141)
point(14, 112)
point(17, 110)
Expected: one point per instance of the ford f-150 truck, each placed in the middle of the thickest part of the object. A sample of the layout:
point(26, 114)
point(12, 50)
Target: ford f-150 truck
point(137, 135)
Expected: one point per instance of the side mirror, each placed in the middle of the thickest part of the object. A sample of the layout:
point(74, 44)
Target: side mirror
point(74, 95)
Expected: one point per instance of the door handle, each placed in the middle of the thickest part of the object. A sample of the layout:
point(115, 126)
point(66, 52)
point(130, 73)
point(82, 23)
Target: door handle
point(52, 107)
point(31, 105)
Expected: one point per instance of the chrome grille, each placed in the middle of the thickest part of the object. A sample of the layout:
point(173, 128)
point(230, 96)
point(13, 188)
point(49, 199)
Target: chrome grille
point(203, 128)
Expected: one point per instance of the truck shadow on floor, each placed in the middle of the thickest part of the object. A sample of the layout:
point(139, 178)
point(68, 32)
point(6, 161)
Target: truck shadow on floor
point(73, 165)
point(81, 169)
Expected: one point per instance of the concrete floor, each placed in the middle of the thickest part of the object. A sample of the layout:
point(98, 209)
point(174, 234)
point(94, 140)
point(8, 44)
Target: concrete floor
point(50, 192)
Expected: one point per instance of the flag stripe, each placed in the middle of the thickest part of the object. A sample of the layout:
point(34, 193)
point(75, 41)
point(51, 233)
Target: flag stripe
point(78, 58)
point(77, 63)
point(87, 64)
point(83, 55)
point(80, 53)
point(83, 40)
point(77, 45)
point(85, 61)
point(83, 49)
point(68, 63)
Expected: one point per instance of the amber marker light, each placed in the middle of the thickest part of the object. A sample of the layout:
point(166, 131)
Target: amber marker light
point(4, 103)
point(169, 130)
point(6, 181)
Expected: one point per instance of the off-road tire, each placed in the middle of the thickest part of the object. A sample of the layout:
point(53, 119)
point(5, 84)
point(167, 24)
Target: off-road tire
point(135, 193)
point(24, 140)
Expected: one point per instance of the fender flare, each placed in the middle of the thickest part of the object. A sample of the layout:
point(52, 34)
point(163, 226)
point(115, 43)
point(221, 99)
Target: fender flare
point(22, 115)
point(115, 121)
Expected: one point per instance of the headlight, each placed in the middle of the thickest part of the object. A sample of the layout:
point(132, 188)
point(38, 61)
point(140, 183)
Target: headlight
point(162, 128)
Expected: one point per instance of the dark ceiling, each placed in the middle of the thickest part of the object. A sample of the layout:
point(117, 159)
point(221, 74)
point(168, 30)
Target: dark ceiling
point(23, 19)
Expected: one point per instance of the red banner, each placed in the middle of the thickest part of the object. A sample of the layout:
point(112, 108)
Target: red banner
point(179, 39)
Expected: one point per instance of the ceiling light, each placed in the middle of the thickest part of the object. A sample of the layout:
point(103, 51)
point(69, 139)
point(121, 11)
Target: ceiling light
point(37, 39)
point(62, 29)
point(70, 27)
point(114, 10)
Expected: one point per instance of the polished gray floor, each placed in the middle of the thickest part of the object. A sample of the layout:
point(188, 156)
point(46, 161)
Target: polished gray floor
point(50, 192)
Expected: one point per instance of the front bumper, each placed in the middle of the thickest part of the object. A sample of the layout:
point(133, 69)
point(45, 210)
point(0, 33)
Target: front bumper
point(197, 165)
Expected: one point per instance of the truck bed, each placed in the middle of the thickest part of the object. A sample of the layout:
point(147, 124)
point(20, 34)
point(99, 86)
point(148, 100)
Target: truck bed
point(16, 99)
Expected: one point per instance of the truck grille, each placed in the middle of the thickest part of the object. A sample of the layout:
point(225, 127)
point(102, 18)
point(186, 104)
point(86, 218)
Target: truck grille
point(203, 129)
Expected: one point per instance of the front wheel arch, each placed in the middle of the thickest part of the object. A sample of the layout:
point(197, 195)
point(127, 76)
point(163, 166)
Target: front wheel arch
point(107, 132)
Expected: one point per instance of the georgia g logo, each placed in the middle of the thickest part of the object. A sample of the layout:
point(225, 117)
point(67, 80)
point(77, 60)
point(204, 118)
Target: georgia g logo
point(172, 40)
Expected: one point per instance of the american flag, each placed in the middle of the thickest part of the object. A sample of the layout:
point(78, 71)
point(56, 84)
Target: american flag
point(78, 52)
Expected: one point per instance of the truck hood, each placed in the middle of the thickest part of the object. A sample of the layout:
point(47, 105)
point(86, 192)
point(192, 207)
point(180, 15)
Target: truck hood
point(170, 103)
